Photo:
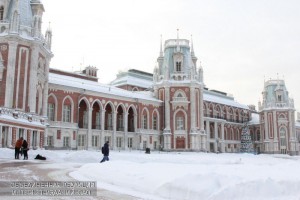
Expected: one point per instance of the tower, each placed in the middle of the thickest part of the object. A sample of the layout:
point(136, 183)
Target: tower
point(179, 85)
point(277, 117)
point(24, 60)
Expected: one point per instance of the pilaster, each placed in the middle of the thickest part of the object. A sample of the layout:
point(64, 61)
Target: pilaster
point(10, 75)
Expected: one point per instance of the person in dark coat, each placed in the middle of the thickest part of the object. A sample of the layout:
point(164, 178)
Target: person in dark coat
point(25, 149)
point(105, 152)
point(18, 147)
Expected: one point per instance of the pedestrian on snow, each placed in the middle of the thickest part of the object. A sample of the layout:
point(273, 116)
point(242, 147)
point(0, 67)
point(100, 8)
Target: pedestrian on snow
point(105, 152)
point(25, 149)
point(18, 147)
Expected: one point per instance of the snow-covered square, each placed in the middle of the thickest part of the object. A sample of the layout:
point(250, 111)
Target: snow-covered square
point(174, 175)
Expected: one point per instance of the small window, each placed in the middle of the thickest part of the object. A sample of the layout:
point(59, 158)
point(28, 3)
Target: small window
point(178, 66)
point(95, 140)
point(51, 112)
point(1, 12)
point(179, 123)
point(154, 123)
point(67, 113)
point(66, 142)
point(279, 98)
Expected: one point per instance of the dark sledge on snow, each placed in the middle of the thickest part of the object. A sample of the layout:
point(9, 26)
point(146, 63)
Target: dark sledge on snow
point(39, 157)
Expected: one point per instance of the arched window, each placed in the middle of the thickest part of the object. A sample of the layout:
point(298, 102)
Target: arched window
point(1, 12)
point(179, 123)
point(178, 66)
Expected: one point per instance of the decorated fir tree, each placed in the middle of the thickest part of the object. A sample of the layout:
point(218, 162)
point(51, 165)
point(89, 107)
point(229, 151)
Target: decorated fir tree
point(246, 142)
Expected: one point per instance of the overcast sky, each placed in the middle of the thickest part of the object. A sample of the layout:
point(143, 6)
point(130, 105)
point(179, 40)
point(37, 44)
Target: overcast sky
point(240, 43)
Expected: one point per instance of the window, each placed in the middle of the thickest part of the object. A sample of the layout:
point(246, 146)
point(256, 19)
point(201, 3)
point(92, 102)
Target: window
point(50, 141)
point(95, 140)
point(81, 140)
point(120, 123)
point(98, 122)
point(129, 142)
point(144, 145)
point(67, 113)
point(1, 12)
point(179, 123)
point(66, 142)
point(282, 137)
point(155, 145)
point(109, 122)
point(107, 138)
point(51, 112)
point(34, 139)
point(21, 132)
point(154, 126)
point(119, 142)
point(85, 119)
point(144, 121)
point(279, 98)
point(178, 66)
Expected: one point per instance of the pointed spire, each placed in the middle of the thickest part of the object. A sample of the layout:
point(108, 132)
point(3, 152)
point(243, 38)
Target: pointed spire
point(161, 52)
point(192, 46)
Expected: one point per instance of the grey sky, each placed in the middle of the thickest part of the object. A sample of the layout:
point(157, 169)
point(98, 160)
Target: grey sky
point(239, 42)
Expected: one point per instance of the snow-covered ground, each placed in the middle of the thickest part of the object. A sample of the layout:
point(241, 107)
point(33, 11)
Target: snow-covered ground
point(187, 175)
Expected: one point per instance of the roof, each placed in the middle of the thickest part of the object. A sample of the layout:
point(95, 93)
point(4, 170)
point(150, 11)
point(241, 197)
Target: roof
point(217, 98)
point(73, 82)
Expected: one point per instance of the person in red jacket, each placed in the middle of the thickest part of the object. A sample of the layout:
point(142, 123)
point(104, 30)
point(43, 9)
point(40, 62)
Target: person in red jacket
point(18, 147)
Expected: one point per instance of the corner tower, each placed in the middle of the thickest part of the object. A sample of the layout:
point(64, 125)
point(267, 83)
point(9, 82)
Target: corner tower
point(179, 84)
point(277, 118)
point(24, 60)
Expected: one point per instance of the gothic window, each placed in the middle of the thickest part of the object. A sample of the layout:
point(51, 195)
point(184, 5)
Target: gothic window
point(279, 98)
point(282, 137)
point(144, 121)
point(67, 113)
point(179, 123)
point(51, 111)
point(178, 66)
point(154, 126)
point(1, 12)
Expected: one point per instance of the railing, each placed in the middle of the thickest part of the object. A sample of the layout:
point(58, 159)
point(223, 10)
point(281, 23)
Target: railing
point(147, 131)
point(63, 124)
point(230, 120)
point(17, 114)
point(179, 99)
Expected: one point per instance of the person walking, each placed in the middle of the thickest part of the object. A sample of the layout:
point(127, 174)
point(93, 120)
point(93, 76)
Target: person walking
point(25, 149)
point(18, 147)
point(105, 152)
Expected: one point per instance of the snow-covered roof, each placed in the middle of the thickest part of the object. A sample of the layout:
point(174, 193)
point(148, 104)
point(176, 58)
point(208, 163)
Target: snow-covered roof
point(255, 119)
point(21, 121)
point(98, 87)
point(209, 96)
point(134, 81)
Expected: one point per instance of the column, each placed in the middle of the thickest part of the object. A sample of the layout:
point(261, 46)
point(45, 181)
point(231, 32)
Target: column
point(207, 135)
point(216, 137)
point(222, 139)
point(114, 130)
point(89, 132)
point(10, 74)
point(33, 79)
point(193, 109)
point(275, 132)
point(167, 130)
point(10, 137)
point(1, 145)
point(126, 130)
point(201, 110)
point(266, 139)
point(102, 127)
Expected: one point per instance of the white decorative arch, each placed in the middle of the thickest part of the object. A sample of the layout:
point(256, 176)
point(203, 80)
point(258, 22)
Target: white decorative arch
point(157, 122)
point(185, 119)
point(86, 101)
point(99, 103)
point(180, 93)
point(122, 106)
point(55, 104)
point(111, 105)
point(72, 106)
point(133, 108)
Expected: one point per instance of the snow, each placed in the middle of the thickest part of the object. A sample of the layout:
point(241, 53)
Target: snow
point(87, 85)
point(186, 175)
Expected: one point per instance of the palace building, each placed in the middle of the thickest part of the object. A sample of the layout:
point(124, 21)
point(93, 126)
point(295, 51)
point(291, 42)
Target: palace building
point(171, 109)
